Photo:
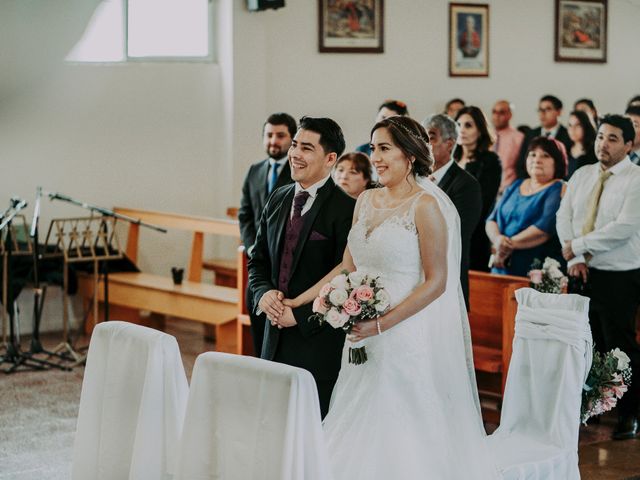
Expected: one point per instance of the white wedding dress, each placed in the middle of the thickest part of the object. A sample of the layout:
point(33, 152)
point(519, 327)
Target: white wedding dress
point(411, 411)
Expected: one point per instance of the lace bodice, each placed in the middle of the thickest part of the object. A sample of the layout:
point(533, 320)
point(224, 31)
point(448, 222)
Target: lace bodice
point(384, 242)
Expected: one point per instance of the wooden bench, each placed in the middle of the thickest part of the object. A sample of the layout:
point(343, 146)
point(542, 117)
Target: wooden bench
point(129, 292)
point(224, 269)
point(492, 315)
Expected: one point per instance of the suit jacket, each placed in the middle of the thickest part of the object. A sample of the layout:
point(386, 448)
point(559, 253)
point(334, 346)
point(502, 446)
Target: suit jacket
point(562, 136)
point(464, 191)
point(254, 198)
point(320, 248)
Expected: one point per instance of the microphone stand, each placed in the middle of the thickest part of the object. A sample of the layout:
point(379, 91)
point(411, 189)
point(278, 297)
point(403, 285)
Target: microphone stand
point(105, 212)
point(39, 294)
point(14, 355)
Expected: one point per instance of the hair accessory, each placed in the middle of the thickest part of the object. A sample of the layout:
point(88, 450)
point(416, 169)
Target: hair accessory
point(416, 136)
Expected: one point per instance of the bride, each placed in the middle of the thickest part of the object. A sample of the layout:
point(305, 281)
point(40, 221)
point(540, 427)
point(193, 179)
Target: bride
point(411, 410)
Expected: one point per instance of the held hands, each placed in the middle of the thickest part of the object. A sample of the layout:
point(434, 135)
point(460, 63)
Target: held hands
point(503, 248)
point(567, 252)
point(579, 270)
point(278, 309)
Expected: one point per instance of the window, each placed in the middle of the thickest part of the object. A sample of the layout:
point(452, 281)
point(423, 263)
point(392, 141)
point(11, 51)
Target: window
point(126, 30)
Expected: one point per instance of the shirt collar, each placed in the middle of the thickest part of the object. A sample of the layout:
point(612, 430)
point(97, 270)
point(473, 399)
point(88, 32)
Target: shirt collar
point(552, 132)
point(439, 173)
point(313, 189)
point(621, 165)
point(280, 162)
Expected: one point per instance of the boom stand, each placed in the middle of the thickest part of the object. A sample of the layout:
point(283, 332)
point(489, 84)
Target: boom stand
point(88, 239)
point(13, 355)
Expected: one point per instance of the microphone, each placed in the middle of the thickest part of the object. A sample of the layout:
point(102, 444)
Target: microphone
point(18, 203)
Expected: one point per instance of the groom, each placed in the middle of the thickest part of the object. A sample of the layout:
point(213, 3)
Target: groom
point(302, 236)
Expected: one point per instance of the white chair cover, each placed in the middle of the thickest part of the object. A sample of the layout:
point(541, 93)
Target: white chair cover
point(540, 420)
point(251, 419)
point(134, 397)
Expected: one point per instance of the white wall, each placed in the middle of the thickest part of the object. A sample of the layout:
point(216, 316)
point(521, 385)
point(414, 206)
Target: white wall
point(179, 137)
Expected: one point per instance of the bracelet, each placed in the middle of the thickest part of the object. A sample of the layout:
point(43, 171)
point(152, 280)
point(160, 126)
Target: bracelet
point(378, 325)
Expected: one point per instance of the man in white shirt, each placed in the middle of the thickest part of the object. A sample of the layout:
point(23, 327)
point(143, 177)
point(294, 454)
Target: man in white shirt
point(599, 225)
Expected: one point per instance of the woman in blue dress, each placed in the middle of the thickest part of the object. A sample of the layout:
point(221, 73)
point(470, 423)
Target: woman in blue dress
point(522, 226)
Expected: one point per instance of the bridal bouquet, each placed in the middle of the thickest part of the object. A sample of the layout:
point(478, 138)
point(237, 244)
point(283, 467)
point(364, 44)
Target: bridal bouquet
point(547, 277)
point(608, 380)
point(348, 299)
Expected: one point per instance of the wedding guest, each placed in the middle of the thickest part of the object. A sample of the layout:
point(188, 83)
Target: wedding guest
point(549, 112)
point(598, 224)
point(508, 141)
point(262, 178)
point(352, 173)
point(587, 106)
point(453, 106)
point(473, 154)
point(583, 136)
point(633, 112)
point(522, 226)
point(389, 108)
point(461, 187)
point(634, 102)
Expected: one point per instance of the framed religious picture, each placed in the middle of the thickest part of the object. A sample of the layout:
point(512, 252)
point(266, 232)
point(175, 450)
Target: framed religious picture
point(351, 26)
point(468, 40)
point(581, 31)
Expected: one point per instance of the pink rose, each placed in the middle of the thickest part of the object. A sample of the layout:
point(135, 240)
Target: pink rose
point(326, 289)
point(319, 306)
point(619, 390)
point(336, 319)
point(535, 276)
point(352, 307)
point(364, 293)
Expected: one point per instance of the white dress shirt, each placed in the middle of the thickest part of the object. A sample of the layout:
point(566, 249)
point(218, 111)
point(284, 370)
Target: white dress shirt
point(440, 173)
point(313, 193)
point(615, 240)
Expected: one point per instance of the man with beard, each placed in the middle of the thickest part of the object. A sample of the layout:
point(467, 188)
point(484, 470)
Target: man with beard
point(263, 178)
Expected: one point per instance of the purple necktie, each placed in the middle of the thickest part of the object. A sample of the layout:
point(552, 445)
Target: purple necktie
point(291, 237)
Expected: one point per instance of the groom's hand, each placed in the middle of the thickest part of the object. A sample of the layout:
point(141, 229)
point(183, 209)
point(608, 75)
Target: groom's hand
point(271, 304)
point(287, 319)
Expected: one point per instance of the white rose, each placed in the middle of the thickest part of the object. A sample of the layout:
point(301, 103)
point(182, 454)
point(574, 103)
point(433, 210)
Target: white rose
point(550, 263)
point(623, 359)
point(356, 278)
point(335, 318)
point(554, 272)
point(338, 296)
point(382, 301)
point(340, 282)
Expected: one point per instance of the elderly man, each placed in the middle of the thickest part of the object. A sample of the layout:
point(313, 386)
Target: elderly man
point(508, 141)
point(461, 187)
point(599, 225)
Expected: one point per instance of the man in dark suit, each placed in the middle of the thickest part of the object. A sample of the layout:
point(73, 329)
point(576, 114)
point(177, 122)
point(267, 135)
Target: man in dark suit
point(263, 178)
point(549, 111)
point(461, 187)
point(302, 237)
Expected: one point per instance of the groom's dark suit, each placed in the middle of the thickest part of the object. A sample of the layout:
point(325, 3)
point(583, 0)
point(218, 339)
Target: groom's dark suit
point(254, 198)
point(465, 193)
point(320, 248)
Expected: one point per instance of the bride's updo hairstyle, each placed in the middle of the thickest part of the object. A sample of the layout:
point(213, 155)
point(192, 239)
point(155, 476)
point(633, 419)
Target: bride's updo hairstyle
point(410, 137)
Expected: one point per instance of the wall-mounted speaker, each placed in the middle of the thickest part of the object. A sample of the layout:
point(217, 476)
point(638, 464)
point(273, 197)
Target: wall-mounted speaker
point(258, 5)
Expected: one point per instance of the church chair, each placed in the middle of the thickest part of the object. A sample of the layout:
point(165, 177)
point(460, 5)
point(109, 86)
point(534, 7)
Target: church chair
point(538, 434)
point(251, 419)
point(133, 401)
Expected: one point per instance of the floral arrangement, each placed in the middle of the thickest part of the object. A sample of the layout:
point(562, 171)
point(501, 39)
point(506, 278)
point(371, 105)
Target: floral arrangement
point(547, 277)
point(347, 299)
point(608, 380)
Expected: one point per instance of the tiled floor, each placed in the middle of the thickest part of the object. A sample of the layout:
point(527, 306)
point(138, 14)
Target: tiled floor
point(38, 410)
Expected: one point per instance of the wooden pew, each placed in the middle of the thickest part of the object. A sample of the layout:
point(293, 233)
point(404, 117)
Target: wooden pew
point(492, 315)
point(225, 269)
point(244, 340)
point(129, 292)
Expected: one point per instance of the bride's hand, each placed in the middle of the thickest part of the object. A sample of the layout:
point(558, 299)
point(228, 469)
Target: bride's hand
point(293, 302)
point(362, 330)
